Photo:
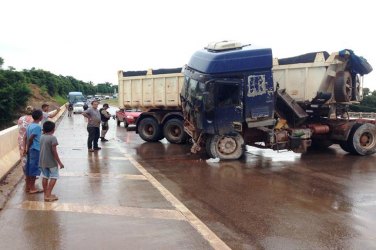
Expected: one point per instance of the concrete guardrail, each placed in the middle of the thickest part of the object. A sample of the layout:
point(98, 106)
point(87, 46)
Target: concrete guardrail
point(9, 152)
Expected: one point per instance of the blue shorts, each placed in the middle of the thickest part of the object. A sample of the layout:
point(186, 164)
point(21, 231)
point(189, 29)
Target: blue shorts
point(50, 173)
point(32, 163)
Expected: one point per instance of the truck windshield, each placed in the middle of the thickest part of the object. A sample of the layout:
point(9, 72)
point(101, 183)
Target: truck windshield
point(193, 90)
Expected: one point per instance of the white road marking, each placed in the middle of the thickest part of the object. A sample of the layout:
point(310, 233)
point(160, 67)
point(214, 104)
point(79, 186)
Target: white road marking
point(206, 233)
point(152, 213)
point(100, 175)
point(92, 156)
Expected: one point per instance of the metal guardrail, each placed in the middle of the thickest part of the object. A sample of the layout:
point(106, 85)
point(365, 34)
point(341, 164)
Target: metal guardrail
point(366, 115)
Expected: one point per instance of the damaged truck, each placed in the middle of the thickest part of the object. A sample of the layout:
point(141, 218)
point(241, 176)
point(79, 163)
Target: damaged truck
point(235, 95)
point(157, 94)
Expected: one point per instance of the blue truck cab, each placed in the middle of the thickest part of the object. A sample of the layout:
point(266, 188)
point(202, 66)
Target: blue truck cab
point(226, 89)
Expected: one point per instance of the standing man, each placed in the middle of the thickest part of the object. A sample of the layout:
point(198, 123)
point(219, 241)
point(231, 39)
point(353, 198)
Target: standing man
point(46, 115)
point(94, 120)
point(105, 116)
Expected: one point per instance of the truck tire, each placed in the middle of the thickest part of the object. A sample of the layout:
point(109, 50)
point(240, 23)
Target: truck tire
point(126, 124)
point(227, 147)
point(345, 146)
point(208, 147)
point(362, 139)
point(149, 130)
point(343, 87)
point(173, 131)
point(118, 122)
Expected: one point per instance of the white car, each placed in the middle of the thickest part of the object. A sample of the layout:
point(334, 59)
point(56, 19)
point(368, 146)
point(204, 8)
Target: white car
point(78, 107)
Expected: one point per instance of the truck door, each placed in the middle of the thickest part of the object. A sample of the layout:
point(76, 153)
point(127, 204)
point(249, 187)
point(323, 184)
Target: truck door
point(259, 97)
point(228, 112)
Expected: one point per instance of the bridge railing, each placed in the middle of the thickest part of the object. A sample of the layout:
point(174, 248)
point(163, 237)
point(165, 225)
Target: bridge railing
point(9, 152)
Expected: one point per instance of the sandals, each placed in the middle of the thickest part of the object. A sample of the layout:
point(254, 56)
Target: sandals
point(51, 198)
point(36, 191)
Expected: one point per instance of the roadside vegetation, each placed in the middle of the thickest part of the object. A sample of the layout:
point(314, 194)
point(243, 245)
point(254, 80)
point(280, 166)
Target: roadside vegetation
point(15, 89)
point(112, 102)
point(368, 104)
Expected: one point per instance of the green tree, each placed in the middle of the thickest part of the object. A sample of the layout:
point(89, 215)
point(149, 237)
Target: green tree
point(1, 62)
point(366, 91)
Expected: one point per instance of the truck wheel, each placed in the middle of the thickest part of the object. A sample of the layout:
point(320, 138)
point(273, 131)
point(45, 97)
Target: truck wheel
point(208, 147)
point(344, 145)
point(343, 87)
point(126, 124)
point(362, 139)
point(227, 147)
point(173, 131)
point(149, 130)
point(118, 122)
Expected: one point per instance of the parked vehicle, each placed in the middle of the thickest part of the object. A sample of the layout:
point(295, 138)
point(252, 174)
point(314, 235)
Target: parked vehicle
point(156, 93)
point(235, 95)
point(74, 97)
point(78, 107)
point(127, 116)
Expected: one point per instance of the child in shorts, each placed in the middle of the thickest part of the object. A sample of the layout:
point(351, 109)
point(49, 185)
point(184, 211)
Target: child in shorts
point(33, 134)
point(49, 161)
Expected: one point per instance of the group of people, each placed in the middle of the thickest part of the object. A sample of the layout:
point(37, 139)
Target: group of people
point(38, 145)
point(38, 151)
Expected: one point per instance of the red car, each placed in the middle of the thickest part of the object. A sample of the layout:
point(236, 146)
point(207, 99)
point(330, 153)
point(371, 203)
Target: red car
point(128, 116)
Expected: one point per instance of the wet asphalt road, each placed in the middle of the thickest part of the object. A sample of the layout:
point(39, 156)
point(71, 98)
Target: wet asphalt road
point(271, 200)
point(267, 200)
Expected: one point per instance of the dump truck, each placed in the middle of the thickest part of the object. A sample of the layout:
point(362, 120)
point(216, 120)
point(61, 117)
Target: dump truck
point(157, 94)
point(235, 95)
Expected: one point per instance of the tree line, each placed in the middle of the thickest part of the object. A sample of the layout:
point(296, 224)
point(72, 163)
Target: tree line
point(368, 104)
point(15, 91)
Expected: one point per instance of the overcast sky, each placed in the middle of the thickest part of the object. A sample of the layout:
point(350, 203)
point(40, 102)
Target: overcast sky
point(92, 40)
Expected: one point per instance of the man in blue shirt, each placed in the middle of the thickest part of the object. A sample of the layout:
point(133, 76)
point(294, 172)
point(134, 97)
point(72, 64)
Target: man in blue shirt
point(33, 133)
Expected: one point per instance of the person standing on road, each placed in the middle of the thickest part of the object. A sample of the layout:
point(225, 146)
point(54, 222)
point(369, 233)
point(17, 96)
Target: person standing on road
point(70, 109)
point(105, 116)
point(46, 115)
point(23, 123)
point(49, 160)
point(94, 121)
point(33, 133)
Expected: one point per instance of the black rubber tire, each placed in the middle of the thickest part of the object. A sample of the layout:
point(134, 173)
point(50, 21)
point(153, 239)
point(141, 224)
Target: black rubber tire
point(362, 139)
point(321, 144)
point(208, 147)
point(126, 124)
point(343, 87)
point(118, 122)
point(344, 145)
point(149, 130)
point(173, 131)
point(219, 143)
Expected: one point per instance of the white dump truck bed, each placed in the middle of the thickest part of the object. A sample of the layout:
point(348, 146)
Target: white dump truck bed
point(150, 89)
point(303, 80)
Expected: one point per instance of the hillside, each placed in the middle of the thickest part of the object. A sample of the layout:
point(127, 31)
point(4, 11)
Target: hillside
point(37, 98)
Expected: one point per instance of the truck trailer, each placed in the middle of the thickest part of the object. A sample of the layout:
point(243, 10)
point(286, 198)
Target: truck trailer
point(235, 95)
point(157, 94)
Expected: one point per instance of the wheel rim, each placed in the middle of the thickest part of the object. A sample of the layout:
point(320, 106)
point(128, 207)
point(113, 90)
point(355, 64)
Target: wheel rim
point(348, 87)
point(149, 129)
point(367, 140)
point(175, 131)
point(227, 145)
